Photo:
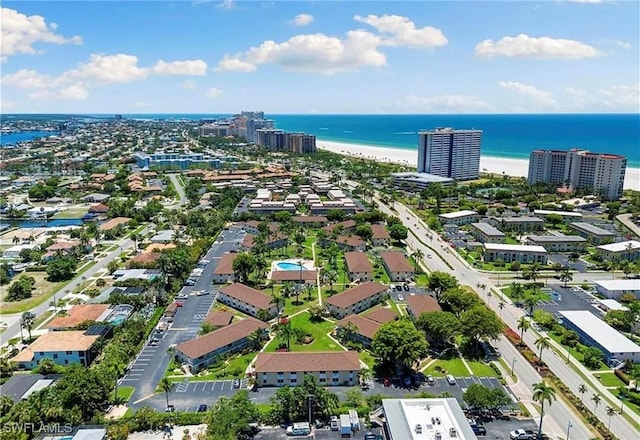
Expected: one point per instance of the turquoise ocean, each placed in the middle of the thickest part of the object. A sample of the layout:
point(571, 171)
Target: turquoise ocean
point(505, 136)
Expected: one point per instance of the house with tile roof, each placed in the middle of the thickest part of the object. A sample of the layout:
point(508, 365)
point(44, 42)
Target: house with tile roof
point(356, 299)
point(247, 300)
point(358, 266)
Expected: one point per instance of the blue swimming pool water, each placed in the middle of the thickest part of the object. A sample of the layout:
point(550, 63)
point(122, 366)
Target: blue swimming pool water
point(289, 266)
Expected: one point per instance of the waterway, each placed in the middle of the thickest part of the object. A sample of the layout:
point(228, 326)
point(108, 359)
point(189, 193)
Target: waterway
point(42, 223)
point(12, 139)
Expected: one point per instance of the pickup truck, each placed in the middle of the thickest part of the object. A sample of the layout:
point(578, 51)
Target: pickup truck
point(522, 434)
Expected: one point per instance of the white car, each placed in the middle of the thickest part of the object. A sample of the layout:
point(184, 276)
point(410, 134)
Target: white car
point(450, 379)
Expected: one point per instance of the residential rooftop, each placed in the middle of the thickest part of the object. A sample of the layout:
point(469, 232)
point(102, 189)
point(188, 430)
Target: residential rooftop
point(307, 361)
point(247, 295)
point(601, 332)
point(356, 294)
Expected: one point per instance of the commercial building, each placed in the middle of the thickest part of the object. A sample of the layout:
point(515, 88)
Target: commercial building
point(458, 218)
point(417, 419)
point(576, 168)
point(595, 332)
point(518, 224)
point(358, 266)
point(334, 368)
point(592, 233)
point(614, 289)
point(624, 250)
point(182, 161)
point(397, 265)
point(447, 152)
point(417, 181)
point(63, 348)
point(485, 233)
point(247, 300)
point(200, 352)
point(508, 253)
point(559, 243)
point(356, 299)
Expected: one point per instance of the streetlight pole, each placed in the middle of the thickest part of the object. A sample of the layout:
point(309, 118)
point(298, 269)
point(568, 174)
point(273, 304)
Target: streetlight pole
point(621, 405)
point(568, 355)
point(569, 426)
point(513, 364)
point(309, 397)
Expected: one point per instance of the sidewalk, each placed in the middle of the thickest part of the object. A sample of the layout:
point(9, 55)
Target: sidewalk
point(521, 393)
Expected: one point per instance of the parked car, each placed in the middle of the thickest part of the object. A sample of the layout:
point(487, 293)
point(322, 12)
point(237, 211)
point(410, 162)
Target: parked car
point(170, 409)
point(236, 383)
point(202, 292)
point(450, 379)
point(190, 282)
point(202, 408)
point(178, 304)
point(430, 380)
point(406, 287)
point(400, 298)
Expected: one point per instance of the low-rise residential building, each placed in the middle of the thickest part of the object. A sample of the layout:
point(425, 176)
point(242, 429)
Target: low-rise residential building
point(114, 223)
point(614, 289)
point(358, 329)
point(459, 217)
point(248, 300)
point(397, 265)
point(382, 315)
point(136, 274)
point(271, 242)
point(379, 235)
point(63, 348)
point(624, 250)
point(205, 350)
point(593, 233)
point(295, 276)
point(356, 299)
point(350, 243)
point(311, 220)
point(419, 304)
point(334, 368)
point(508, 253)
point(342, 226)
point(78, 314)
point(358, 266)
point(567, 216)
point(519, 224)
point(485, 233)
point(559, 243)
point(595, 332)
point(223, 273)
point(219, 318)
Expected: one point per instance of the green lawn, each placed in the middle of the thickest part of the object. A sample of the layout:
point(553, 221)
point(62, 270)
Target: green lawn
point(450, 366)
point(321, 342)
point(70, 214)
point(528, 291)
point(233, 368)
point(481, 369)
point(124, 393)
point(609, 380)
point(367, 358)
point(575, 353)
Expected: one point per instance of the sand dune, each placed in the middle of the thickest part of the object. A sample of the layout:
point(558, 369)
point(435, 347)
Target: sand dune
point(488, 164)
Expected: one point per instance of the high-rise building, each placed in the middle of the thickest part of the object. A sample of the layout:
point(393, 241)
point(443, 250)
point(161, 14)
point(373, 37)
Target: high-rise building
point(576, 168)
point(254, 125)
point(302, 143)
point(448, 152)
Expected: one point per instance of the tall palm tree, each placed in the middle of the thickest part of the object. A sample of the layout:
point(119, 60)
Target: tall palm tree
point(543, 393)
point(517, 291)
point(610, 412)
point(27, 320)
point(530, 302)
point(596, 399)
point(523, 326)
point(582, 389)
point(542, 343)
point(167, 386)
point(278, 300)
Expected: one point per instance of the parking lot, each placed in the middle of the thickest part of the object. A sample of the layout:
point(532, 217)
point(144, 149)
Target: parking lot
point(571, 298)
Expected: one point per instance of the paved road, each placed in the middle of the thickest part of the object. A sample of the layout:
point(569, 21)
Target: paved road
point(149, 366)
point(558, 419)
point(179, 189)
point(13, 329)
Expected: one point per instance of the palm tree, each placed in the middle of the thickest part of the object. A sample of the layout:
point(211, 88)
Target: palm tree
point(566, 275)
point(284, 332)
point(27, 320)
point(530, 302)
point(543, 393)
point(582, 389)
point(542, 343)
point(167, 386)
point(278, 300)
point(517, 291)
point(596, 399)
point(610, 412)
point(523, 326)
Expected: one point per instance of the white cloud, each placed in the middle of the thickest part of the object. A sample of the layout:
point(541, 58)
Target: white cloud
point(446, 104)
point(541, 97)
point(312, 53)
point(214, 92)
point(188, 67)
point(400, 31)
point(188, 84)
point(6, 106)
point(226, 4)
point(303, 19)
point(99, 71)
point(623, 97)
point(523, 46)
point(578, 93)
point(20, 32)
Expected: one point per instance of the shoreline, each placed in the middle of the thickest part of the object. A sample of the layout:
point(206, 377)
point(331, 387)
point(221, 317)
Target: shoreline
point(488, 164)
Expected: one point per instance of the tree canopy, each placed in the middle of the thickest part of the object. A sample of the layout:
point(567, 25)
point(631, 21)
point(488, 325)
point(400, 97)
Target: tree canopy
point(399, 344)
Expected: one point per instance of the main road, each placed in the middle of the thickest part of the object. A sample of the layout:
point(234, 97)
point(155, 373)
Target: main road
point(445, 259)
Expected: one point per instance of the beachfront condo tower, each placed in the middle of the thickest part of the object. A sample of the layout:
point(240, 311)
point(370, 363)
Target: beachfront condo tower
point(447, 152)
point(575, 168)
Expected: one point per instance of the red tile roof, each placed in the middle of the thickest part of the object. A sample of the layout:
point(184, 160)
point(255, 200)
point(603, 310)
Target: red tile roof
point(366, 327)
point(352, 241)
point(225, 265)
point(396, 261)
point(382, 315)
point(345, 225)
point(219, 318)
point(308, 361)
point(358, 262)
point(247, 295)
point(220, 338)
point(356, 294)
point(114, 222)
point(294, 275)
point(422, 303)
point(380, 232)
point(78, 314)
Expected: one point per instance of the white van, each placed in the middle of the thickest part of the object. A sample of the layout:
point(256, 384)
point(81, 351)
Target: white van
point(301, 428)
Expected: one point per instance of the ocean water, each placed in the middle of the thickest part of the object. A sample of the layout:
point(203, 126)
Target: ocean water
point(24, 136)
point(507, 136)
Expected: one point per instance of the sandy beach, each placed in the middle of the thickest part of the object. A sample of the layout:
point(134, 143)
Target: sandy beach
point(488, 164)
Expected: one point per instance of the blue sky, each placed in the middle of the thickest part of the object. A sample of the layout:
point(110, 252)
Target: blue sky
point(554, 56)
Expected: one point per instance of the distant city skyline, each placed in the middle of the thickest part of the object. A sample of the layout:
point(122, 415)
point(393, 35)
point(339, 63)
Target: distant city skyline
point(289, 57)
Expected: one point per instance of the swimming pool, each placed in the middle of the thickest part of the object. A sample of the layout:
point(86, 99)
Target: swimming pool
point(285, 265)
